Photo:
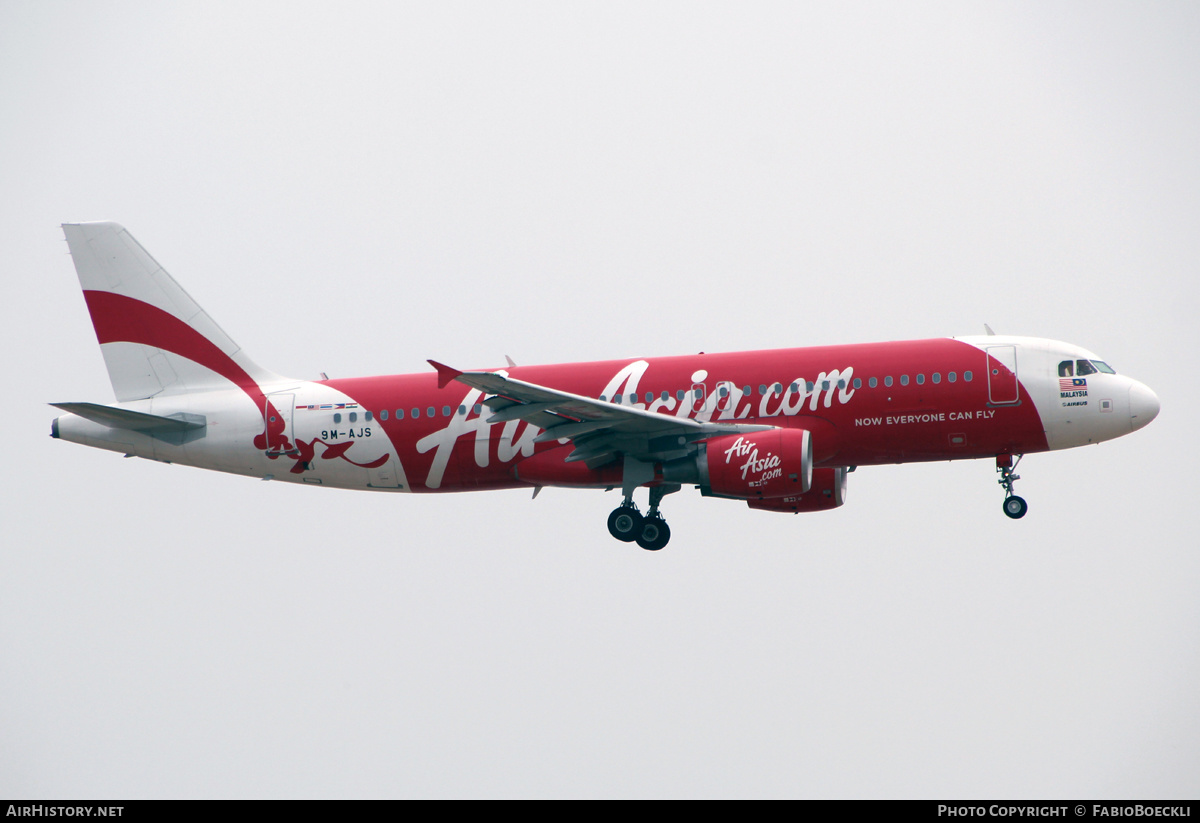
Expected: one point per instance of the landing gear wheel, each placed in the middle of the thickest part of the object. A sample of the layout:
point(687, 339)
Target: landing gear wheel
point(625, 523)
point(1015, 507)
point(654, 535)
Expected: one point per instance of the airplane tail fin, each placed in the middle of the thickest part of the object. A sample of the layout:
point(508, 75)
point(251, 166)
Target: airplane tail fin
point(155, 339)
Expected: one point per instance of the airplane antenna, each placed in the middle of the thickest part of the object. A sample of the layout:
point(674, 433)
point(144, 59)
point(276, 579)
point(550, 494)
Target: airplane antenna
point(988, 329)
point(511, 364)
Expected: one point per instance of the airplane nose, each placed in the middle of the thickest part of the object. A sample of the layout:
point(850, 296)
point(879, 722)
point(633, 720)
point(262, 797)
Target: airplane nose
point(1143, 405)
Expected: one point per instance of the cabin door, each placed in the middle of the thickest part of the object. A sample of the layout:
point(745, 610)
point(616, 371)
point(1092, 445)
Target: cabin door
point(1002, 375)
point(279, 411)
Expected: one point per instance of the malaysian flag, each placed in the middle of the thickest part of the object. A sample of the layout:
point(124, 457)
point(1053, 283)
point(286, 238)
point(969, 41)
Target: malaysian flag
point(1071, 383)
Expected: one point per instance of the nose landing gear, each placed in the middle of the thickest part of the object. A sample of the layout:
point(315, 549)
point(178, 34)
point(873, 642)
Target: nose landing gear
point(1015, 507)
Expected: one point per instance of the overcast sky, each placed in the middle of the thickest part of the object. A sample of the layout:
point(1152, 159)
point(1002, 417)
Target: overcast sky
point(356, 187)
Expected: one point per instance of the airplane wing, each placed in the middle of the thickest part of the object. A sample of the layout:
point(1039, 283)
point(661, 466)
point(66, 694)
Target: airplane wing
point(599, 430)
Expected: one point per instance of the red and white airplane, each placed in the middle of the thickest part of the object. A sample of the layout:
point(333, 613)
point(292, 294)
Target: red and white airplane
point(778, 429)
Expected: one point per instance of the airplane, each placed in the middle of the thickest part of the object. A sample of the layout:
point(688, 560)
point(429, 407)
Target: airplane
point(780, 430)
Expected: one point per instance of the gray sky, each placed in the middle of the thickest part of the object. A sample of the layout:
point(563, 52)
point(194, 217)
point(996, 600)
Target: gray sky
point(356, 188)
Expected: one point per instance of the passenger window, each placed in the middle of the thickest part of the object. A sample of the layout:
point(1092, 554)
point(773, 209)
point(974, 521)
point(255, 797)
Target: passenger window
point(616, 398)
point(723, 391)
point(967, 376)
point(810, 385)
point(1066, 369)
point(746, 391)
point(887, 381)
point(777, 389)
point(416, 413)
point(399, 414)
point(478, 409)
point(1083, 367)
point(762, 389)
point(649, 397)
point(872, 382)
point(794, 388)
point(904, 380)
point(367, 416)
point(383, 414)
point(858, 382)
point(666, 395)
point(462, 411)
point(337, 417)
point(937, 377)
point(431, 412)
point(680, 394)
point(445, 411)
point(920, 380)
point(952, 377)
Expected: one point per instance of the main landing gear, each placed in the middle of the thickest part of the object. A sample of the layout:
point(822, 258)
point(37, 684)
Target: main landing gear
point(1015, 507)
point(649, 531)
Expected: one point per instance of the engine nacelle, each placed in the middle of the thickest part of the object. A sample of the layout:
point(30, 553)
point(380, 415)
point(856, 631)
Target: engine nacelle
point(757, 466)
point(828, 492)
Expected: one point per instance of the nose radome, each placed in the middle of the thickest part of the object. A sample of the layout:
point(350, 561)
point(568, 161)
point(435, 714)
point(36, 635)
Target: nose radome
point(1143, 405)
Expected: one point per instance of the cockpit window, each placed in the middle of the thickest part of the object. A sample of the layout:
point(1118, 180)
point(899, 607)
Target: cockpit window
point(1080, 368)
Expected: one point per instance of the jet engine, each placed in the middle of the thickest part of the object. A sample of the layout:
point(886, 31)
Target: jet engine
point(755, 466)
point(828, 491)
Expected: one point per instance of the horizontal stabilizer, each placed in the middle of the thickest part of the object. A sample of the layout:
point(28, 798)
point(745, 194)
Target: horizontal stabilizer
point(152, 424)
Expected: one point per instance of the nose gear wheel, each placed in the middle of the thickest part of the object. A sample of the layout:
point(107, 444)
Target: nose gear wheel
point(1014, 506)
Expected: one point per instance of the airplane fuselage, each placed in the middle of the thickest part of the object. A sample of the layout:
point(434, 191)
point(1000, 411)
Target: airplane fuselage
point(866, 404)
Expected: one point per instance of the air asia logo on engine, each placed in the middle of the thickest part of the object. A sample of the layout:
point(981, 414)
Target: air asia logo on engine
point(767, 468)
point(1073, 390)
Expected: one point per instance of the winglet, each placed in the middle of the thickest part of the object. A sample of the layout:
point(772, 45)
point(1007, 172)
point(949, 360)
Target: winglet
point(445, 374)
